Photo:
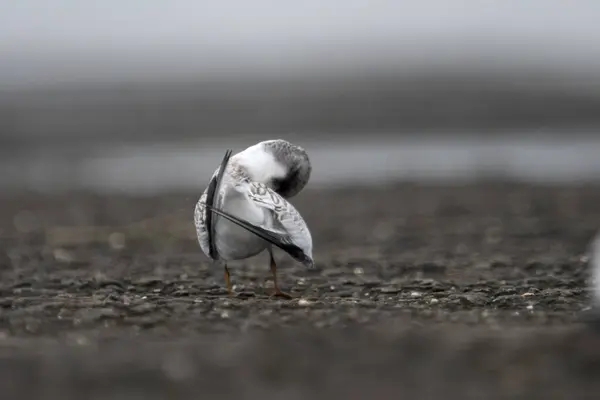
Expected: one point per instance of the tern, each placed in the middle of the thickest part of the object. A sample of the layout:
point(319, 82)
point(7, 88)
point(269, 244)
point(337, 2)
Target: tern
point(245, 208)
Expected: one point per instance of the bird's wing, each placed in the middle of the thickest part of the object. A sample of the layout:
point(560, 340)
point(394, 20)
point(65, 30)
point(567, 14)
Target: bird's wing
point(595, 265)
point(212, 196)
point(285, 215)
point(591, 316)
point(286, 229)
point(200, 223)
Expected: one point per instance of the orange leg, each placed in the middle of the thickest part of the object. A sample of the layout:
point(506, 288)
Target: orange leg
point(228, 281)
point(276, 292)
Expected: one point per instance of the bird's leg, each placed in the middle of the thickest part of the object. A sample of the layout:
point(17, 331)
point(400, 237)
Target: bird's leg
point(276, 292)
point(228, 281)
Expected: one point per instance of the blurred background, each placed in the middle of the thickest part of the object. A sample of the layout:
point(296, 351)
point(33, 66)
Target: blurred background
point(145, 96)
point(115, 113)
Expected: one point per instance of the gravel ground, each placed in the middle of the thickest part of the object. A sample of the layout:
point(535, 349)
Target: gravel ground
point(454, 292)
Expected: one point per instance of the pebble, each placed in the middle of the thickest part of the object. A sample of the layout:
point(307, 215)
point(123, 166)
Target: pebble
point(390, 289)
point(116, 240)
point(63, 255)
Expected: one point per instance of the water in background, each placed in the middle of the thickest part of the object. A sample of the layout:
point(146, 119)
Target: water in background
point(351, 160)
point(113, 96)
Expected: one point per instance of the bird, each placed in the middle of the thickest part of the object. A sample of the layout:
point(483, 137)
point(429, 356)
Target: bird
point(591, 316)
point(245, 209)
point(595, 264)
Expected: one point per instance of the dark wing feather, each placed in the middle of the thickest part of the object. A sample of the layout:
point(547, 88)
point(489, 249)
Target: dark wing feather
point(213, 189)
point(281, 240)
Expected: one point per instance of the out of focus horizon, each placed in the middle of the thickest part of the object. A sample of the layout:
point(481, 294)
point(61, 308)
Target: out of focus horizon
point(80, 82)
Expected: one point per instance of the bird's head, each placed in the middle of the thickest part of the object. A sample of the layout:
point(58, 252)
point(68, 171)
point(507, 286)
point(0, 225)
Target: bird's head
point(282, 166)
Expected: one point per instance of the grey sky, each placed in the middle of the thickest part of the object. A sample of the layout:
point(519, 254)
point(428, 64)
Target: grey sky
point(65, 39)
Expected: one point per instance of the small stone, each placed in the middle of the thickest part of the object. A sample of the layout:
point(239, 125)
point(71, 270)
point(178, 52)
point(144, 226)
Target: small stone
point(434, 301)
point(528, 294)
point(415, 294)
point(389, 289)
point(530, 307)
point(82, 341)
point(303, 302)
point(63, 255)
point(143, 308)
point(358, 271)
point(116, 240)
point(224, 314)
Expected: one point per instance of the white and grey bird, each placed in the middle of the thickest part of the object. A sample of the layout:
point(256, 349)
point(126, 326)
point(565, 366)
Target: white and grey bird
point(592, 314)
point(595, 266)
point(250, 213)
